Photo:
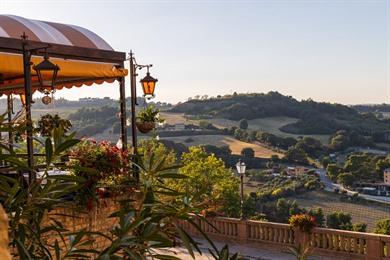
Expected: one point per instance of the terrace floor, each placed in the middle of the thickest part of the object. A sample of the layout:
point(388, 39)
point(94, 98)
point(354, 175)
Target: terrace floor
point(247, 251)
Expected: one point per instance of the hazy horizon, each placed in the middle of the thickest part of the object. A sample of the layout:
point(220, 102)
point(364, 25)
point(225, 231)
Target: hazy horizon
point(38, 96)
point(334, 51)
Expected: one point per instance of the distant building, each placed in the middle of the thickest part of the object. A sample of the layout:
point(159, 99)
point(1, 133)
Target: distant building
point(296, 170)
point(180, 127)
point(386, 176)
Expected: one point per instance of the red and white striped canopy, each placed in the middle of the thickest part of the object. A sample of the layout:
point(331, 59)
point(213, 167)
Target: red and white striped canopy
point(12, 26)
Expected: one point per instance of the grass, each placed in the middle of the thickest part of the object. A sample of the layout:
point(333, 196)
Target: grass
point(62, 112)
point(268, 124)
point(362, 211)
point(177, 118)
point(222, 140)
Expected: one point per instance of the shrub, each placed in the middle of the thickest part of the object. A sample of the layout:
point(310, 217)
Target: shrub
point(346, 179)
point(359, 227)
point(304, 222)
point(383, 227)
point(98, 163)
point(318, 215)
point(188, 140)
point(259, 217)
point(339, 220)
point(243, 124)
point(248, 152)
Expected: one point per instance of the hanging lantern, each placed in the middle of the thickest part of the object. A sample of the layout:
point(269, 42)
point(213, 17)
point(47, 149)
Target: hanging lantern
point(47, 74)
point(46, 99)
point(148, 85)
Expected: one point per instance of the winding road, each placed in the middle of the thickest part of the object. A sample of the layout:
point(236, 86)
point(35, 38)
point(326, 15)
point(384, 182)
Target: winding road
point(330, 186)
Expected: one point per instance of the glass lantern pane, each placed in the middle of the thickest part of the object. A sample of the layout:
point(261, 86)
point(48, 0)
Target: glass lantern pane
point(148, 87)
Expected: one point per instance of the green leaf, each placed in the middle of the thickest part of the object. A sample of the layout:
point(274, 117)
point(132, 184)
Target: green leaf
point(49, 151)
point(186, 240)
point(166, 257)
point(172, 176)
point(66, 145)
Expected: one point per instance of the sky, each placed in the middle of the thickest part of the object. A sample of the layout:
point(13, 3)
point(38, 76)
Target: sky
point(327, 50)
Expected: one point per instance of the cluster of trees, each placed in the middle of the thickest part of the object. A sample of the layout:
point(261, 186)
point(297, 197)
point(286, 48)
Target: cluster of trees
point(281, 210)
point(215, 187)
point(298, 151)
point(314, 117)
point(341, 220)
point(284, 186)
point(91, 121)
point(359, 167)
point(342, 139)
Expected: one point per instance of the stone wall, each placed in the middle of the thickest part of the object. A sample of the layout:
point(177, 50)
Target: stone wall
point(339, 244)
point(96, 219)
point(4, 250)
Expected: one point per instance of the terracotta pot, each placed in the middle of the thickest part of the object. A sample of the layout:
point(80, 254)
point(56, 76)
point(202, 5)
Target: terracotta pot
point(145, 127)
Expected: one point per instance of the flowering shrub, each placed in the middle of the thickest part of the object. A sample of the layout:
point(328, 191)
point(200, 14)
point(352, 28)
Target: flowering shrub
point(101, 164)
point(304, 222)
point(109, 161)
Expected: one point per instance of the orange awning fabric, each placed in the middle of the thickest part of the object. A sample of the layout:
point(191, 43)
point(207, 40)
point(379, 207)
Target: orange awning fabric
point(72, 73)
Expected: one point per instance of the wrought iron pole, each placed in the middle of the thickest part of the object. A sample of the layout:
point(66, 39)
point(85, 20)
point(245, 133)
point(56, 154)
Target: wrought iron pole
point(133, 97)
point(28, 95)
point(122, 100)
point(10, 104)
point(242, 196)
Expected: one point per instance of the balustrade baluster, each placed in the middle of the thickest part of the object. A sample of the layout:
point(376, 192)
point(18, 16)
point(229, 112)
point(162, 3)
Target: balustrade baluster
point(354, 245)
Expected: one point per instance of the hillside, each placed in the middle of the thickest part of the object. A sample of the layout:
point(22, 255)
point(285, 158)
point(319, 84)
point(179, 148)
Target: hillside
point(312, 117)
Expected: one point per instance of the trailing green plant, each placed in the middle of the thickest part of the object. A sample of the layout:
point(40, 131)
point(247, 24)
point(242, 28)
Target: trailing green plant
point(47, 123)
point(149, 114)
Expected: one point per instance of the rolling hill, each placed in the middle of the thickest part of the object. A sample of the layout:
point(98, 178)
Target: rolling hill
point(311, 117)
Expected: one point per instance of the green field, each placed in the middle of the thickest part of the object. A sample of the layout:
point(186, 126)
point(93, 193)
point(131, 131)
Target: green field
point(363, 211)
point(222, 140)
point(268, 124)
point(62, 112)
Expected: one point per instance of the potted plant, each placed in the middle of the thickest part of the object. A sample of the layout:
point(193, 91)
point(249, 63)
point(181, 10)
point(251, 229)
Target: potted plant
point(304, 222)
point(147, 118)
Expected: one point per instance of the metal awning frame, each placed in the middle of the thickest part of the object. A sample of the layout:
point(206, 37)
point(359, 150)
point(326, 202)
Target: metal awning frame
point(28, 48)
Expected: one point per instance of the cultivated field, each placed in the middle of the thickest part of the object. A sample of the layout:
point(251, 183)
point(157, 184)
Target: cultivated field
point(362, 211)
point(222, 140)
point(62, 112)
point(269, 124)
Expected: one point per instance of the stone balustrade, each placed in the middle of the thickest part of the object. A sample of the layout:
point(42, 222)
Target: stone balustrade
point(340, 244)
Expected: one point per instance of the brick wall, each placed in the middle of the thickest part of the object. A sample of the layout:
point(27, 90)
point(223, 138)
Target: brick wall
point(97, 219)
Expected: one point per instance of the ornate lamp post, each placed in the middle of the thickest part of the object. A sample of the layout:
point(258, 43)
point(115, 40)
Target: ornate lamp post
point(148, 87)
point(241, 167)
point(27, 53)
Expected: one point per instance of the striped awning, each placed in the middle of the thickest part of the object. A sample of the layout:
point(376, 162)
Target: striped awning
point(72, 72)
point(13, 26)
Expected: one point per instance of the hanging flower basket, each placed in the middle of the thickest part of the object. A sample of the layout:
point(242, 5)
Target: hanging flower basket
point(145, 127)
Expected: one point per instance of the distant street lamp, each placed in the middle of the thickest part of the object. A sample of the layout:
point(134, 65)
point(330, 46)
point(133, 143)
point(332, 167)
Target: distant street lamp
point(241, 167)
